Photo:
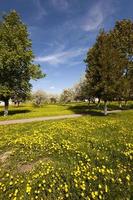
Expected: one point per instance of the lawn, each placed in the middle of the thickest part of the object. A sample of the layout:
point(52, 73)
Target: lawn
point(29, 111)
point(86, 158)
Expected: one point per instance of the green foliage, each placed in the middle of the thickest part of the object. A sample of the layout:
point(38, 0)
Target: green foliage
point(16, 58)
point(123, 42)
point(109, 71)
point(104, 65)
point(81, 90)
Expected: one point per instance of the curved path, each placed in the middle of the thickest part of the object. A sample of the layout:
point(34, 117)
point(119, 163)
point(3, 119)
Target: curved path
point(36, 119)
point(21, 121)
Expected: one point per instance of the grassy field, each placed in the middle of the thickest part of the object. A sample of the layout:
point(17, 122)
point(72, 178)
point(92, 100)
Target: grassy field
point(86, 158)
point(29, 111)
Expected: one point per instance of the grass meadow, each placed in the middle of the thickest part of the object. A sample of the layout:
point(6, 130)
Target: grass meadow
point(87, 158)
point(27, 110)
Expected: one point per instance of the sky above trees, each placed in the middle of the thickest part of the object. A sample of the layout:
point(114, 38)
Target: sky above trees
point(62, 31)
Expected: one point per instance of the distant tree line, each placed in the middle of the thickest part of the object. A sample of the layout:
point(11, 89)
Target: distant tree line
point(40, 97)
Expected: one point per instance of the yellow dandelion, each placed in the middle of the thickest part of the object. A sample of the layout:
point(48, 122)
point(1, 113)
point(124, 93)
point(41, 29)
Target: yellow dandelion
point(106, 188)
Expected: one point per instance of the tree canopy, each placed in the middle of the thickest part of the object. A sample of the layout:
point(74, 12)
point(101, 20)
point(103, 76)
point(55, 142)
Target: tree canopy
point(109, 62)
point(16, 58)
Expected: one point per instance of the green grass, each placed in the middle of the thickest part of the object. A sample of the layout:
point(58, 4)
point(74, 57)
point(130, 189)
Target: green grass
point(86, 158)
point(29, 111)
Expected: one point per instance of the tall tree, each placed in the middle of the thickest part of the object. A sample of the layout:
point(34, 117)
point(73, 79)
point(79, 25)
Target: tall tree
point(103, 68)
point(123, 41)
point(16, 58)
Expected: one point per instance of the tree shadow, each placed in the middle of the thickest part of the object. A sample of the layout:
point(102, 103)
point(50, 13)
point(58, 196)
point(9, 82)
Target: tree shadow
point(128, 107)
point(95, 110)
point(13, 112)
point(86, 110)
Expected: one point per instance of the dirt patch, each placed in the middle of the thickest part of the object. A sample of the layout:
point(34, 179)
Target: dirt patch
point(29, 167)
point(5, 156)
point(25, 168)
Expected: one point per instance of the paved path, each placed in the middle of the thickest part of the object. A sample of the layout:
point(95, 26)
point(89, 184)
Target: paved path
point(21, 121)
point(36, 119)
point(114, 111)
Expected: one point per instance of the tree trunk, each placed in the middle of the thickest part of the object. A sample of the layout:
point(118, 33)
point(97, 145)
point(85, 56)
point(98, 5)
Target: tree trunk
point(120, 104)
point(105, 108)
point(93, 101)
point(89, 101)
point(98, 104)
point(125, 102)
point(18, 103)
point(6, 107)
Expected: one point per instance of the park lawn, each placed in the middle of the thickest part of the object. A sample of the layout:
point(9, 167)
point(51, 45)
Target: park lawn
point(86, 158)
point(29, 111)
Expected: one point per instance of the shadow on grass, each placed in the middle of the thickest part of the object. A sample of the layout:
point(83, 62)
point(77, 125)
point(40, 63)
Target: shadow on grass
point(13, 112)
point(116, 107)
point(86, 110)
point(95, 110)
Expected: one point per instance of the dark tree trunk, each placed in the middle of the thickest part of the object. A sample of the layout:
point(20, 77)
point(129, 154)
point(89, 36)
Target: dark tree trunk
point(6, 107)
point(89, 101)
point(93, 101)
point(18, 103)
point(125, 102)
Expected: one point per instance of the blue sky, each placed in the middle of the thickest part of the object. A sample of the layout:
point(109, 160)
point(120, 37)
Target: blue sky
point(62, 31)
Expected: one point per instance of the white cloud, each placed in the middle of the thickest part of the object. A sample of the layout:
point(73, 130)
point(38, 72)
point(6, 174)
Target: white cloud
point(60, 4)
point(52, 87)
point(76, 63)
point(97, 14)
point(40, 8)
point(61, 57)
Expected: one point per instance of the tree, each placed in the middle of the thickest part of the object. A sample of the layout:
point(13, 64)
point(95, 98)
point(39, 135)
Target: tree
point(123, 41)
point(82, 91)
point(109, 62)
point(53, 98)
point(104, 64)
point(20, 97)
point(67, 96)
point(16, 59)
point(39, 98)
